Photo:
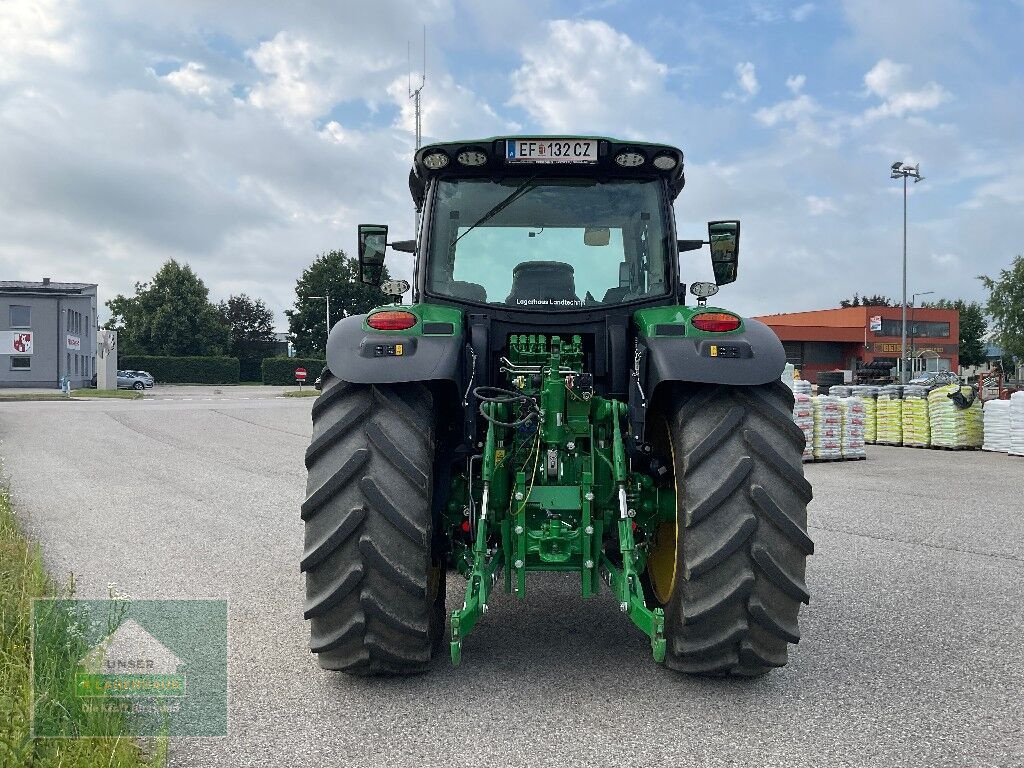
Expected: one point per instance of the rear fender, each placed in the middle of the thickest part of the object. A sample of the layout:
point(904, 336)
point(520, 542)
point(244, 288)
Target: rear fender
point(676, 352)
point(429, 351)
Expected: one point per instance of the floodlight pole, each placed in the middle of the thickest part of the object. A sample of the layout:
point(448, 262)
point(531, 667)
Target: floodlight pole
point(902, 169)
point(904, 378)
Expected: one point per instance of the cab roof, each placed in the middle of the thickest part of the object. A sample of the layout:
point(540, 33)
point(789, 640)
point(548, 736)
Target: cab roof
point(494, 157)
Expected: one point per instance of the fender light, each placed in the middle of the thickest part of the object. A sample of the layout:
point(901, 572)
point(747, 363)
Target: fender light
point(715, 322)
point(391, 321)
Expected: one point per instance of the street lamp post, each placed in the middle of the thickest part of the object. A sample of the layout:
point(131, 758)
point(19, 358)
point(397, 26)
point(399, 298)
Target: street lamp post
point(328, 298)
point(901, 169)
point(913, 327)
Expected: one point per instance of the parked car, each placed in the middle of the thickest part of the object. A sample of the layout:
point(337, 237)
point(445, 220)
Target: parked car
point(147, 378)
point(132, 380)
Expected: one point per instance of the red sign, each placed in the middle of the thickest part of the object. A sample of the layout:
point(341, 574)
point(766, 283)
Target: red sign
point(300, 374)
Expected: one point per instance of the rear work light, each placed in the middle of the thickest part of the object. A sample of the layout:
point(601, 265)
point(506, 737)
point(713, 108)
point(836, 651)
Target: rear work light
point(715, 322)
point(391, 321)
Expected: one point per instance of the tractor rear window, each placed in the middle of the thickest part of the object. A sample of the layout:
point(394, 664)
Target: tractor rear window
point(548, 244)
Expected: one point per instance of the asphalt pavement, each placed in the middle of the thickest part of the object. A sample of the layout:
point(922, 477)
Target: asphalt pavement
point(910, 652)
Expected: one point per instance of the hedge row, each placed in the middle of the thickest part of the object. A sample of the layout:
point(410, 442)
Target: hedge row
point(184, 370)
point(281, 370)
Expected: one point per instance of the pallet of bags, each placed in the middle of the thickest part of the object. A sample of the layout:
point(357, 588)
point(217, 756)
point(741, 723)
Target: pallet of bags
point(803, 417)
point(997, 426)
point(954, 427)
point(828, 428)
point(802, 387)
point(869, 395)
point(852, 438)
point(1017, 424)
point(889, 415)
point(916, 424)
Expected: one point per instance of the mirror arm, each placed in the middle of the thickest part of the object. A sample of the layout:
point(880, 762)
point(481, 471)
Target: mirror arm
point(405, 246)
point(690, 245)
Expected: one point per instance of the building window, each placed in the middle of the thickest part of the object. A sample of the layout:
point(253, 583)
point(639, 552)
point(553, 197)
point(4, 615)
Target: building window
point(21, 317)
point(21, 363)
point(918, 329)
point(67, 368)
point(76, 364)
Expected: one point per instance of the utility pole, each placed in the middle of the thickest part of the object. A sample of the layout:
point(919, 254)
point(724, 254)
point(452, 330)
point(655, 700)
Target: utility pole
point(901, 169)
point(415, 95)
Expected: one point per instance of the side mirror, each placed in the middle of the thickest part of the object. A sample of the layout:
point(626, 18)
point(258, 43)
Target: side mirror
point(373, 240)
point(724, 237)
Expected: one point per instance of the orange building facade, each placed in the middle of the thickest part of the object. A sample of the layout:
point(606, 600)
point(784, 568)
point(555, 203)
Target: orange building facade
point(867, 339)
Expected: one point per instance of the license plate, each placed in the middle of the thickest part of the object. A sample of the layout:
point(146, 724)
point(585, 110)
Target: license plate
point(551, 151)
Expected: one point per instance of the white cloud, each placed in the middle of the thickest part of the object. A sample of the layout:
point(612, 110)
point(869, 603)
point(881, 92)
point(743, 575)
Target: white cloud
point(304, 78)
point(586, 76)
point(790, 111)
point(193, 80)
point(889, 81)
point(816, 206)
point(746, 78)
point(802, 12)
point(34, 31)
point(795, 83)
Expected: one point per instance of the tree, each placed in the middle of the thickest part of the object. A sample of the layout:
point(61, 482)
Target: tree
point(867, 301)
point(250, 324)
point(169, 316)
point(973, 327)
point(1006, 307)
point(331, 274)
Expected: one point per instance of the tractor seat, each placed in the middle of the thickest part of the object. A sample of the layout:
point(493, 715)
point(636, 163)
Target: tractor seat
point(542, 280)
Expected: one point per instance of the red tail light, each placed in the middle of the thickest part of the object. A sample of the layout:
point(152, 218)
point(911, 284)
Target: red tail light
point(391, 320)
point(715, 322)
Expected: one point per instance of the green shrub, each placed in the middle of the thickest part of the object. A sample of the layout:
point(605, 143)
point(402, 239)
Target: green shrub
point(184, 370)
point(281, 370)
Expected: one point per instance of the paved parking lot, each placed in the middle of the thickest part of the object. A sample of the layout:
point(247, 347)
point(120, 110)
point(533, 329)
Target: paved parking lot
point(910, 656)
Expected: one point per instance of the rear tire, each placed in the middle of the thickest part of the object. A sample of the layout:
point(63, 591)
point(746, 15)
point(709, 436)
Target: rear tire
point(741, 538)
point(374, 584)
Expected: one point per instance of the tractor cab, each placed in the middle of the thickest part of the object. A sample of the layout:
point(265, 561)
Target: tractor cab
point(547, 225)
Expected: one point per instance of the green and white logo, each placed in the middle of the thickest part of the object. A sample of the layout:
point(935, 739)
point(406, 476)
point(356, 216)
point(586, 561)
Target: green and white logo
point(151, 667)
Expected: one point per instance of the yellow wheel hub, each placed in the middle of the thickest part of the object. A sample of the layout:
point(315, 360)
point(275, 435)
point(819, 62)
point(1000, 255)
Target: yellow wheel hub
point(661, 563)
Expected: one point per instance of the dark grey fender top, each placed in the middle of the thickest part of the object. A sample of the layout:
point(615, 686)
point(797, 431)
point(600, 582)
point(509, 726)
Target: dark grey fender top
point(368, 357)
point(753, 357)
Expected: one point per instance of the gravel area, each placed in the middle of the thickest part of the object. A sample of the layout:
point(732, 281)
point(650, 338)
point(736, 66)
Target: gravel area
point(908, 657)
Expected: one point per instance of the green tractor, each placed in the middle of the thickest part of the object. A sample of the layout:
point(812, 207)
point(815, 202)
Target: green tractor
point(547, 401)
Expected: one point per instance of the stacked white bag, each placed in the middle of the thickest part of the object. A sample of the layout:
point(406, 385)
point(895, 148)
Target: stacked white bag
point(802, 386)
point(997, 426)
point(852, 437)
point(828, 428)
point(803, 415)
point(1017, 424)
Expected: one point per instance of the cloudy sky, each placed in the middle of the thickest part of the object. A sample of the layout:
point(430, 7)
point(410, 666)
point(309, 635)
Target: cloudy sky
point(245, 137)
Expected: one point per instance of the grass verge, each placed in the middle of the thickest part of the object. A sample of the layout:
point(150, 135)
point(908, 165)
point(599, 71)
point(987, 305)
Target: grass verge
point(302, 393)
point(76, 394)
point(22, 578)
point(120, 394)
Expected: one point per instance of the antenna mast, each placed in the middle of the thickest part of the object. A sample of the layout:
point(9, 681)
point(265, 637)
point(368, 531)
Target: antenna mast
point(414, 94)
